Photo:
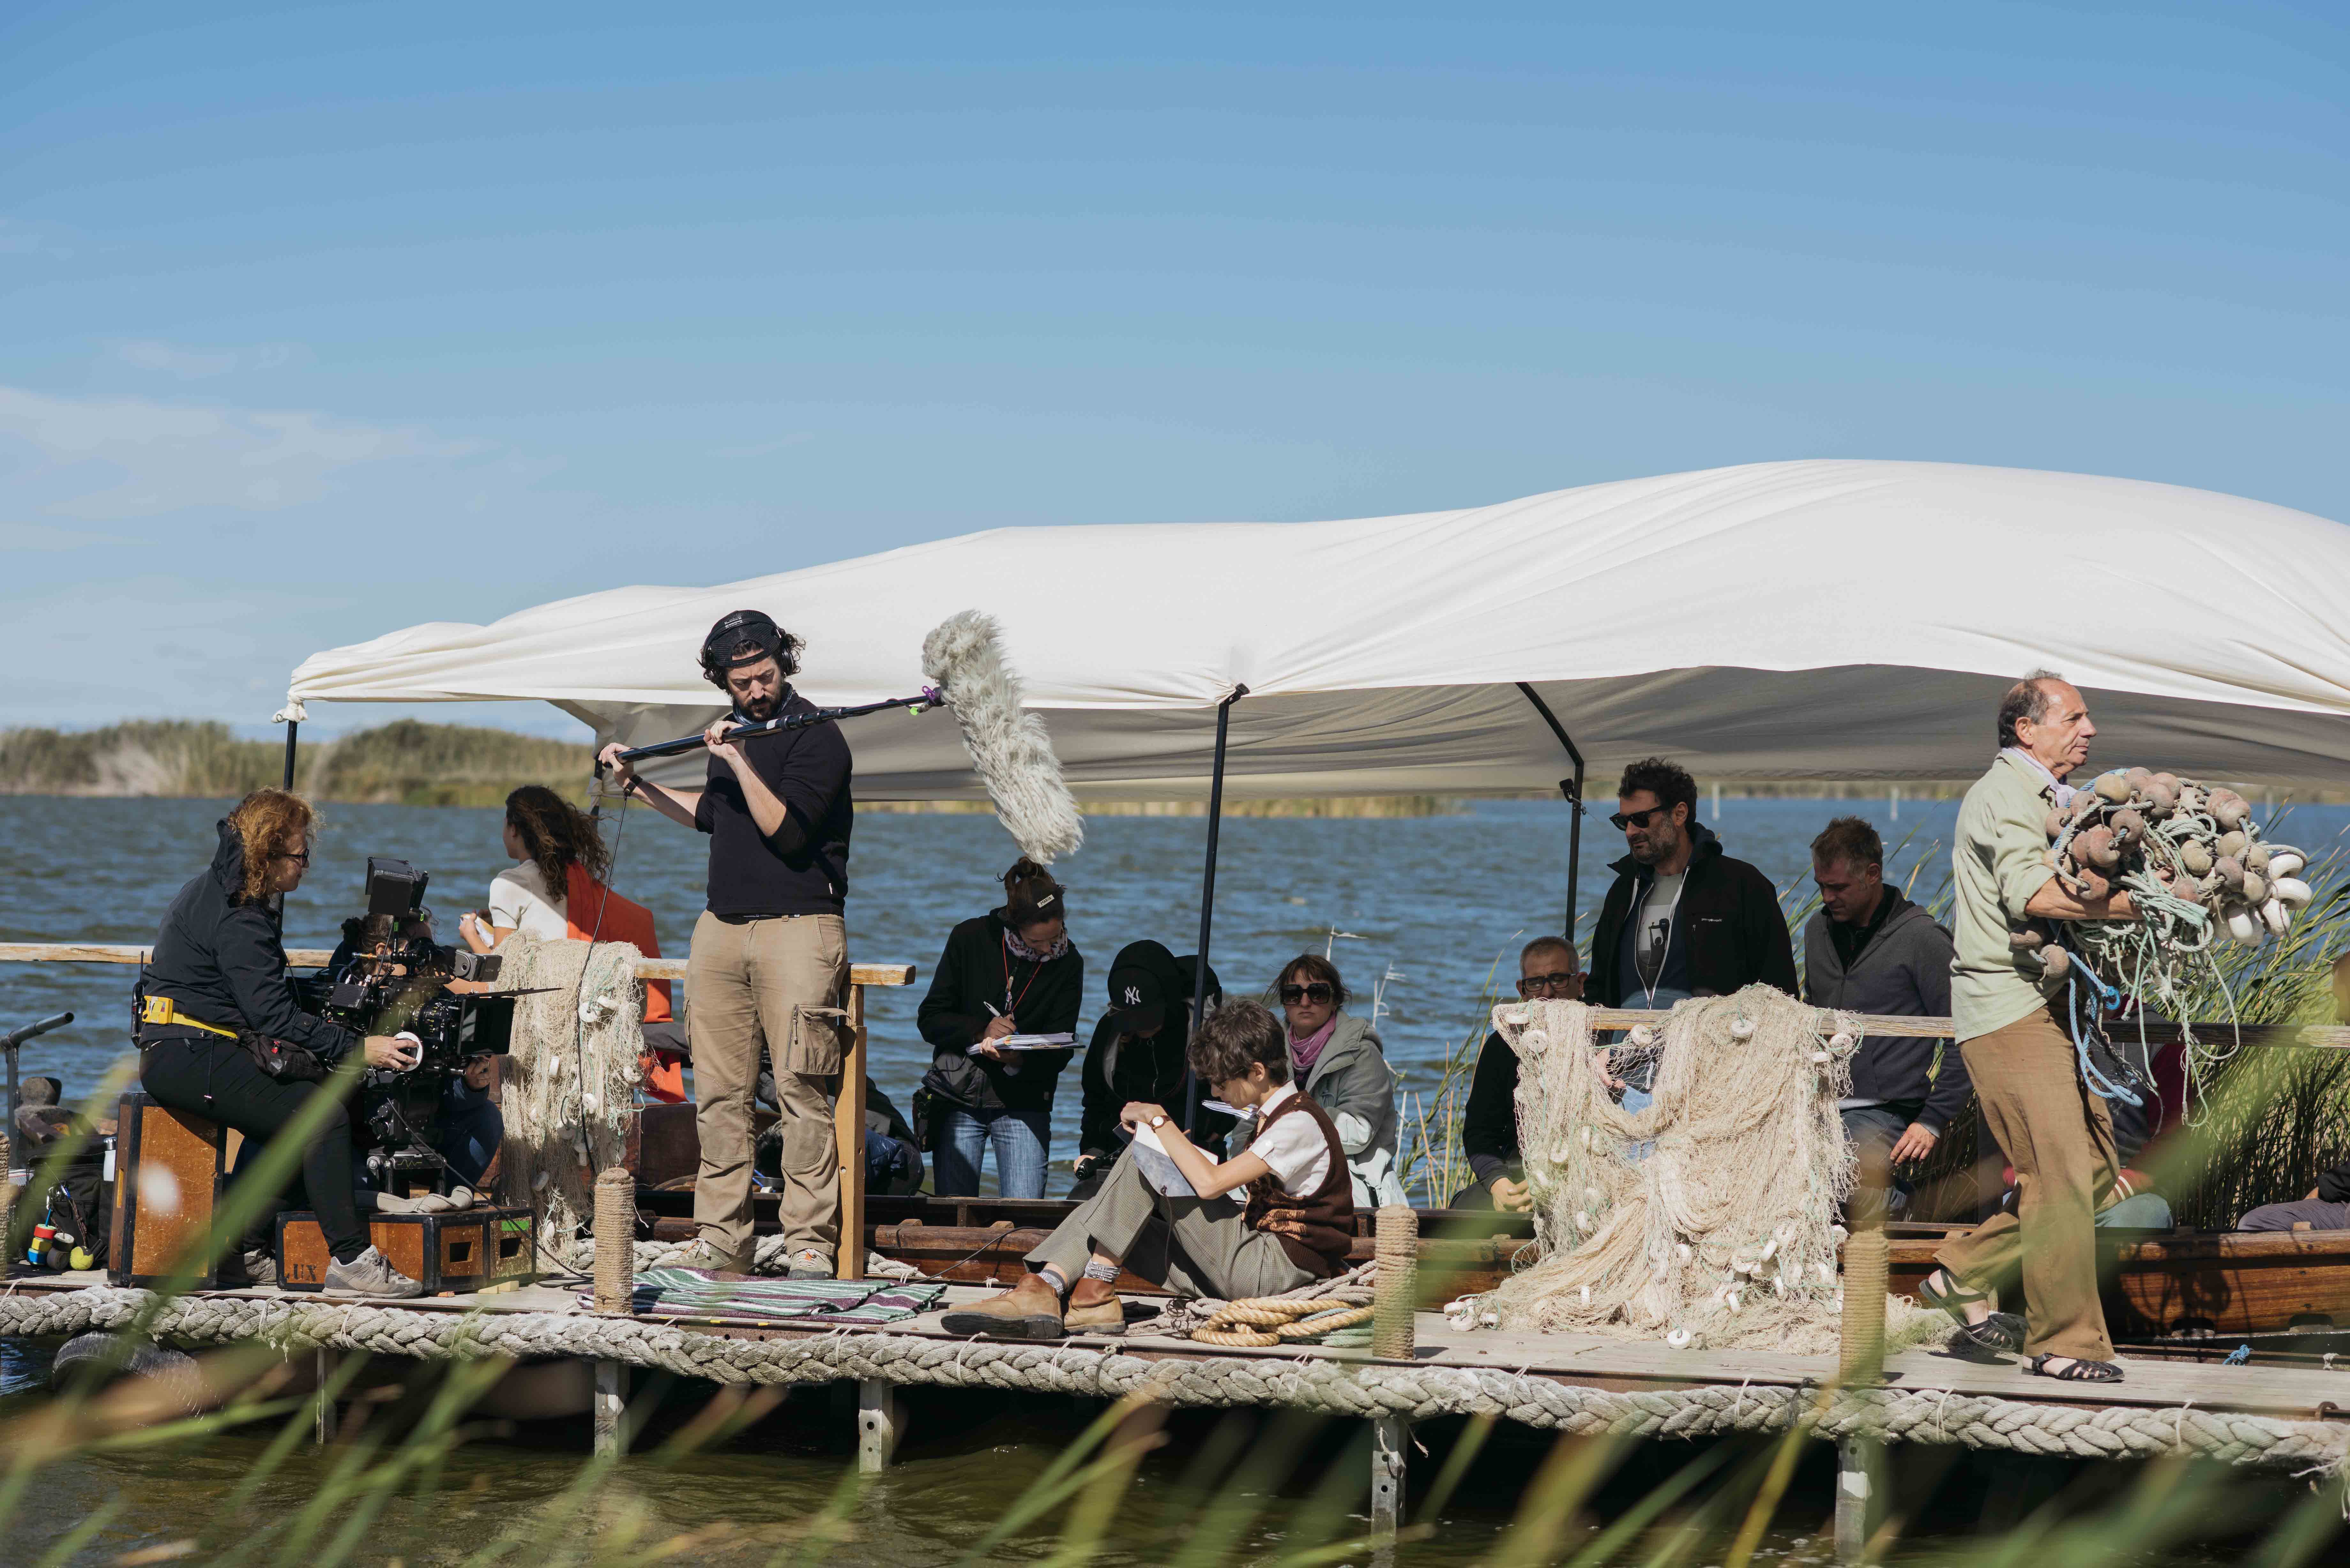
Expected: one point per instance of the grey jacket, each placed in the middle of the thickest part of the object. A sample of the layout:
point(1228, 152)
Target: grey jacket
point(1352, 1081)
point(1904, 971)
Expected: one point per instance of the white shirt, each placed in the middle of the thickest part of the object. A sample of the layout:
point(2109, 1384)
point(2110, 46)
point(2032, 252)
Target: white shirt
point(1292, 1148)
point(519, 898)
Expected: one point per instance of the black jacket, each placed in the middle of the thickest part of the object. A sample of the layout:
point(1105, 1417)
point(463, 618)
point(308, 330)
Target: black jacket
point(1904, 970)
point(976, 973)
point(1489, 1122)
point(1123, 1068)
point(1728, 916)
point(222, 961)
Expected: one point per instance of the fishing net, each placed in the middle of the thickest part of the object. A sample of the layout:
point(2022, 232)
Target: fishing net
point(1707, 1219)
point(2197, 870)
point(570, 1084)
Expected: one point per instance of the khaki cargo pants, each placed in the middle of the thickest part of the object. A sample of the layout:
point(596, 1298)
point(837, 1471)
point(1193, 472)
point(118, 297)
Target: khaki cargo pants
point(2060, 1139)
point(780, 982)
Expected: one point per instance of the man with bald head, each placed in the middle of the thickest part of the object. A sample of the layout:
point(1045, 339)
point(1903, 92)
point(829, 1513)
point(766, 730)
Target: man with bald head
point(2008, 1013)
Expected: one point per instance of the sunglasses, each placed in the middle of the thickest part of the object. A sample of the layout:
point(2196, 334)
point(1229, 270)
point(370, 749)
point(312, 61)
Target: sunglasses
point(301, 859)
point(1564, 981)
point(1621, 820)
point(1291, 995)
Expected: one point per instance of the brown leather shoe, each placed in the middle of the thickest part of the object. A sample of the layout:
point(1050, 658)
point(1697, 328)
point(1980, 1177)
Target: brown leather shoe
point(1094, 1308)
point(1029, 1310)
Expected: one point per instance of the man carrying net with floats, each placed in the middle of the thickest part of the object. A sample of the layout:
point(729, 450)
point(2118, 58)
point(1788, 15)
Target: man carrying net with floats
point(2006, 1007)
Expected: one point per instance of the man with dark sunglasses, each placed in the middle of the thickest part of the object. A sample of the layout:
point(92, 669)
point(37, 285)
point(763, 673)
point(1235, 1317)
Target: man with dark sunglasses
point(1547, 971)
point(1682, 918)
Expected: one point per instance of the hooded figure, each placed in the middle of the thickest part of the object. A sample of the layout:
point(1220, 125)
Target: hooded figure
point(1138, 1054)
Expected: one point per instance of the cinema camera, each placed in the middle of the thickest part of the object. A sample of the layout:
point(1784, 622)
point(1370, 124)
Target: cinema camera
point(389, 977)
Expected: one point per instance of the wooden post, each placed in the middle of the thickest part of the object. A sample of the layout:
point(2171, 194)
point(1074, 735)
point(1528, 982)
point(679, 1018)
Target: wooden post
point(615, 1240)
point(1858, 1461)
point(611, 1409)
point(1395, 1292)
point(848, 1139)
point(1389, 1435)
point(876, 1425)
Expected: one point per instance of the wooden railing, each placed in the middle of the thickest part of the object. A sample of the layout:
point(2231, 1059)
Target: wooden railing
point(849, 1105)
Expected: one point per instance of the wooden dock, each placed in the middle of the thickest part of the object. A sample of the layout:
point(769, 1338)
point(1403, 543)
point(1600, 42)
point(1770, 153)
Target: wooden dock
point(2291, 1419)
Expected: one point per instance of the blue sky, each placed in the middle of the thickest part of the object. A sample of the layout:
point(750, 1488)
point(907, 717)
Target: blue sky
point(319, 322)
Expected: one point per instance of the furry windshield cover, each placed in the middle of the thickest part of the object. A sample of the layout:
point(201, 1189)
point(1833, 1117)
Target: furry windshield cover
point(1008, 745)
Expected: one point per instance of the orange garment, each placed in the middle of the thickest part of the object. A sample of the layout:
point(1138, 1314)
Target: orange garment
point(596, 913)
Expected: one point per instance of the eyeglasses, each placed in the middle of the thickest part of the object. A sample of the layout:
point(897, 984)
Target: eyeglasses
point(1621, 820)
point(1566, 980)
point(1291, 995)
point(303, 858)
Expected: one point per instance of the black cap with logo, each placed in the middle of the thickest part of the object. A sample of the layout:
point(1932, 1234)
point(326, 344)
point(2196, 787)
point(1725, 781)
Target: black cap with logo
point(744, 637)
point(1137, 998)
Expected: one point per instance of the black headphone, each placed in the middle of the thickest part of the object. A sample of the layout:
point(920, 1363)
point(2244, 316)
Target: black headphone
point(746, 637)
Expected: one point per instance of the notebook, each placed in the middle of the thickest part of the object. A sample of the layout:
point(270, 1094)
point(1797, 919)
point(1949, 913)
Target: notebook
point(1157, 1167)
point(1033, 1043)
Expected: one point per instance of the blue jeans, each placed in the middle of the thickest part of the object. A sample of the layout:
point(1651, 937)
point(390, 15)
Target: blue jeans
point(468, 1131)
point(1019, 1139)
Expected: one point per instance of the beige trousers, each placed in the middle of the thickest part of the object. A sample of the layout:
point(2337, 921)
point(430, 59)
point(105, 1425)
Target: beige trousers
point(1192, 1246)
point(2060, 1137)
point(780, 983)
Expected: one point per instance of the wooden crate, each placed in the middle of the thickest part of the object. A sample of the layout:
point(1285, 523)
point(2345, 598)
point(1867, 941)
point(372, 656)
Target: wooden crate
point(446, 1253)
point(170, 1167)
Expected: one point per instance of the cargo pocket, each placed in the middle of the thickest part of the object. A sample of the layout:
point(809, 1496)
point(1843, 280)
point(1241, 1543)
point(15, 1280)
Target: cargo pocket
point(819, 1042)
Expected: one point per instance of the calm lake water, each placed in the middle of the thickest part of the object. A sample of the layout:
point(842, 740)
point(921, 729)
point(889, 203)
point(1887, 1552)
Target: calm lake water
point(1438, 901)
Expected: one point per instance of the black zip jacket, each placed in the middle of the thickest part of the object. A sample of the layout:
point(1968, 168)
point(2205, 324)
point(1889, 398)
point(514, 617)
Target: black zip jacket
point(1489, 1122)
point(1120, 1069)
point(976, 973)
point(222, 961)
point(1729, 917)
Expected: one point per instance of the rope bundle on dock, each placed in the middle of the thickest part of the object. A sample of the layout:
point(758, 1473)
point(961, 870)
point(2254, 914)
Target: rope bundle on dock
point(1710, 1217)
point(1354, 1388)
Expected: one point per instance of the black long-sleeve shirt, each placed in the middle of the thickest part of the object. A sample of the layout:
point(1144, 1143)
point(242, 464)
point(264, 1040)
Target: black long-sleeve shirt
point(977, 971)
point(802, 867)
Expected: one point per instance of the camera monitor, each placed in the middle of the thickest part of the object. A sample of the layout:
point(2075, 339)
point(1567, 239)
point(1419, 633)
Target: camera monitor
point(394, 887)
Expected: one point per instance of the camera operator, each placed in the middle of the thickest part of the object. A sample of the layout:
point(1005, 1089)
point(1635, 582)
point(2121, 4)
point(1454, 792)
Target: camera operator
point(770, 957)
point(218, 973)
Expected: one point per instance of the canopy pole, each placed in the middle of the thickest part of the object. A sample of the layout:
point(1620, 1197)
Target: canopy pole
point(1572, 789)
point(1207, 888)
point(292, 728)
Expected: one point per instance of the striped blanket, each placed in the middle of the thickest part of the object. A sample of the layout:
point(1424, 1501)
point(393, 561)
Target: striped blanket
point(691, 1293)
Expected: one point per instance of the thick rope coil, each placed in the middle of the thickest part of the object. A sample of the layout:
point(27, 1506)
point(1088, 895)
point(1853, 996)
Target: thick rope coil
point(1324, 1322)
point(1355, 1390)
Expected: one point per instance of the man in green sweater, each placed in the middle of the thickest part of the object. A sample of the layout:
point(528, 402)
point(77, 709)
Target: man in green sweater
point(2007, 1013)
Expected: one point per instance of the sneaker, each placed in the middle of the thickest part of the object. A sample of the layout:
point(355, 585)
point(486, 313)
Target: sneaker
point(707, 1256)
point(371, 1274)
point(1094, 1308)
point(1029, 1310)
point(255, 1266)
point(809, 1264)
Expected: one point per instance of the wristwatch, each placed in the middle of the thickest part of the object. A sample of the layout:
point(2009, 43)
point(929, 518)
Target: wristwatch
point(1158, 1122)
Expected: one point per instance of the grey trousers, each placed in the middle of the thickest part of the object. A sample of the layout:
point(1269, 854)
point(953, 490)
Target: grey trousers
point(1192, 1246)
point(2315, 1212)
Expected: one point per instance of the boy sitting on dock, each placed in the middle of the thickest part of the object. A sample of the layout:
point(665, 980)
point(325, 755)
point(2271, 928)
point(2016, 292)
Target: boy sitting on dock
point(1166, 1211)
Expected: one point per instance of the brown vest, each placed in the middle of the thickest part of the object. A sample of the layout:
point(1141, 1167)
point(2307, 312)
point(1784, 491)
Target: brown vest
point(1327, 1213)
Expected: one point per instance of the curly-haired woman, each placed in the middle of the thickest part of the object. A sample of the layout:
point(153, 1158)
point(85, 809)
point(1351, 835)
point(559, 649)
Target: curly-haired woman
point(218, 973)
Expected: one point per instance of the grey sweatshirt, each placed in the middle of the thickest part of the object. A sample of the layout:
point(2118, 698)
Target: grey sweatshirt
point(1904, 971)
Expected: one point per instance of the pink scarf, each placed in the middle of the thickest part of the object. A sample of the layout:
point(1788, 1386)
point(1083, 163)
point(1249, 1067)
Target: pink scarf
point(1304, 1051)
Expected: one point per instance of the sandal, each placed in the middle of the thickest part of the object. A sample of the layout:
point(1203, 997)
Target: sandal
point(2001, 1334)
point(2081, 1371)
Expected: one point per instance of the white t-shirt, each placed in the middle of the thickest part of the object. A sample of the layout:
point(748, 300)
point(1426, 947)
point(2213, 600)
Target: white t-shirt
point(1292, 1148)
point(519, 898)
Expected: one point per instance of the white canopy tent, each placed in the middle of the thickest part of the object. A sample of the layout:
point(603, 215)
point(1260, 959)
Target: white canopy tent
point(1827, 619)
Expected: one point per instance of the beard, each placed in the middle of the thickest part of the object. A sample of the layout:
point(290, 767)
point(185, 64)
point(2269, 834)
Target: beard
point(760, 709)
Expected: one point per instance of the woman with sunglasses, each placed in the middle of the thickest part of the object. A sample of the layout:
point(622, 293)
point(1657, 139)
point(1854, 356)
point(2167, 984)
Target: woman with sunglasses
point(217, 977)
point(1338, 1063)
point(1547, 971)
point(1011, 972)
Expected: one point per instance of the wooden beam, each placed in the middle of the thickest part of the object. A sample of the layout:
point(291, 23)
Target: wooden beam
point(315, 958)
point(2158, 1032)
point(848, 1141)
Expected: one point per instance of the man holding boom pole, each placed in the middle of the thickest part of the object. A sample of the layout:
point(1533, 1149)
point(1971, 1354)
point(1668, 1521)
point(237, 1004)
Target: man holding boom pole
point(770, 959)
